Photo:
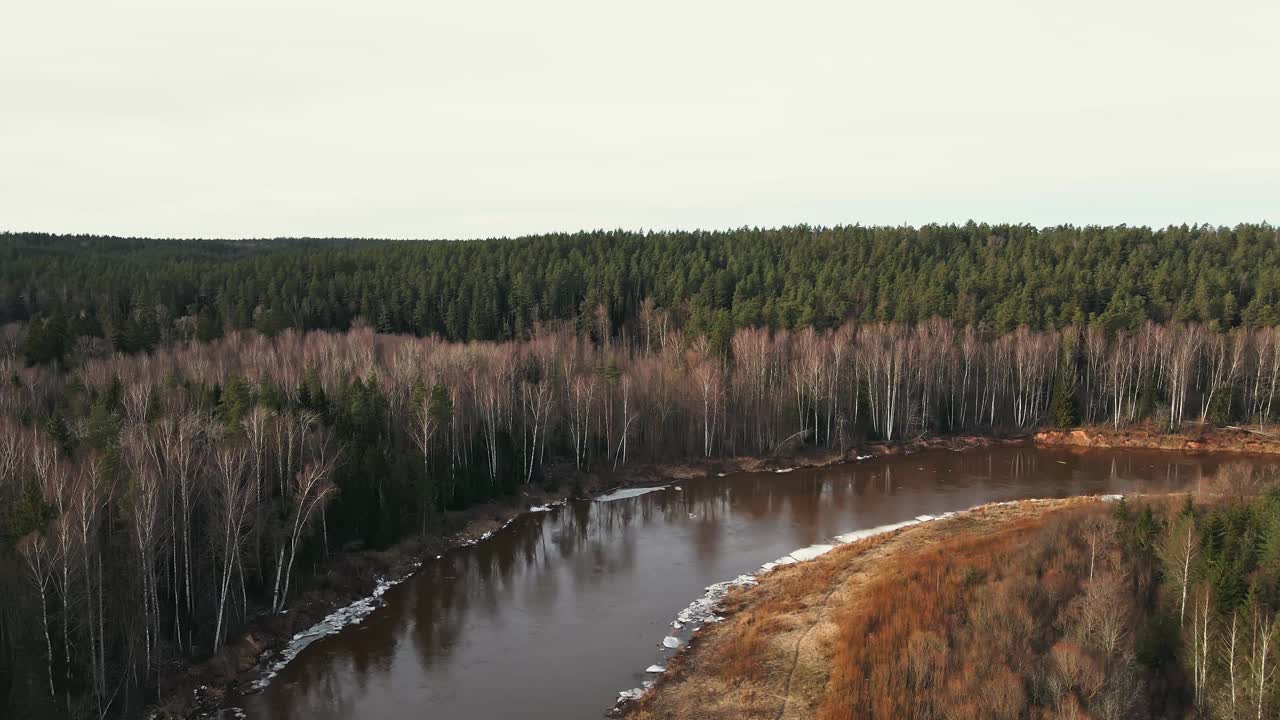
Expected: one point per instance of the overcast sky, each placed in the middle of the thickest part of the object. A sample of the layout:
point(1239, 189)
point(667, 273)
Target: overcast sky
point(468, 119)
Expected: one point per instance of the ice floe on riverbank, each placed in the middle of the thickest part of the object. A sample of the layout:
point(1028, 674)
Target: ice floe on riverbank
point(625, 493)
point(857, 535)
point(688, 621)
point(334, 622)
point(811, 552)
point(635, 693)
point(487, 535)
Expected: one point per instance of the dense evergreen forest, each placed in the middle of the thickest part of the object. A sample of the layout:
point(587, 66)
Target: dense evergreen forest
point(139, 294)
point(189, 429)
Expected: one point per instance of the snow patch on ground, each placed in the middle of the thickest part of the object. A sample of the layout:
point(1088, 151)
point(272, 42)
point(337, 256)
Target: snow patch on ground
point(629, 493)
point(546, 508)
point(343, 617)
point(784, 470)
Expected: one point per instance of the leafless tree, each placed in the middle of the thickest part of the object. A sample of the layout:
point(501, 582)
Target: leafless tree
point(1224, 354)
point(707, 374)
point(1178, 550)
point(144, 502)
point(1181, 349)
point(312, 490)
point(36, 557)
point(1098, 531)
point(231, 489)
point(580, 388)
point(1261, 666)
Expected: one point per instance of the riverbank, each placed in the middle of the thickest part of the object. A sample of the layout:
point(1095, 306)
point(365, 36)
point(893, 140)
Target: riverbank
point(643, 474)
point(772, 655)
point(1234, 439)
point(195, 690)
point(347, 585)
point(354, 577)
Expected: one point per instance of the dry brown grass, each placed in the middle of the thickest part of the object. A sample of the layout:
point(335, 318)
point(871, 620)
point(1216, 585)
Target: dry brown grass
point(870, 629)
point(1194, 438)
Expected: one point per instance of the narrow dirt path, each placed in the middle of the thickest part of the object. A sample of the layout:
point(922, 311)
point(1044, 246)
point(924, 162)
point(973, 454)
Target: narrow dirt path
point(795, 656)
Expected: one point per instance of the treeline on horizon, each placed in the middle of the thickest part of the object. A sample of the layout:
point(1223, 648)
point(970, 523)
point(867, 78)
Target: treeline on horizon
point(138, 294)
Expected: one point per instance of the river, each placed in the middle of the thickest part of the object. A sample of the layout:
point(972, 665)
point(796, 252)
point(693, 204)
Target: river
point(559, 611)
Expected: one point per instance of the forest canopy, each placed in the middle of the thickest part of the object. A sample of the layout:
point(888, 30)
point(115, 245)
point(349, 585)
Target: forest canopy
point(134, 292)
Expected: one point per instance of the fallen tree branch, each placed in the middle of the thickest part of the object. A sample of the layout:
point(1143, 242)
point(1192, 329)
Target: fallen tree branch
point(1248, 430)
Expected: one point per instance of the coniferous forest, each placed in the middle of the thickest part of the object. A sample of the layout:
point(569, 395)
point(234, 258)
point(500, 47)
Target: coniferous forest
point(140, 294)
point(188, 429)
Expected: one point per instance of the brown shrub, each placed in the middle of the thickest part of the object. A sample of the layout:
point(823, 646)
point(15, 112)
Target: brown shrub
point(1075, 671)
point(1003, 695)
point(961, 630)
point(1238, 481)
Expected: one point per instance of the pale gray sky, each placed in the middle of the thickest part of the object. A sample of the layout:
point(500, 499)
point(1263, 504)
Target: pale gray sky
point(421, 118)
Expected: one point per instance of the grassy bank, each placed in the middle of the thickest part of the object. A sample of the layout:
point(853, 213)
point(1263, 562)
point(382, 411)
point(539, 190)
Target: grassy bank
point(776, 654)
point(1198, 438)
point(1152, 606)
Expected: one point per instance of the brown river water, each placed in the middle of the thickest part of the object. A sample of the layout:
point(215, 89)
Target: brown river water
point(555, 614)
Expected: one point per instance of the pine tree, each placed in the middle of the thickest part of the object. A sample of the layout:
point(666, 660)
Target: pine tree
point(1063, 404)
